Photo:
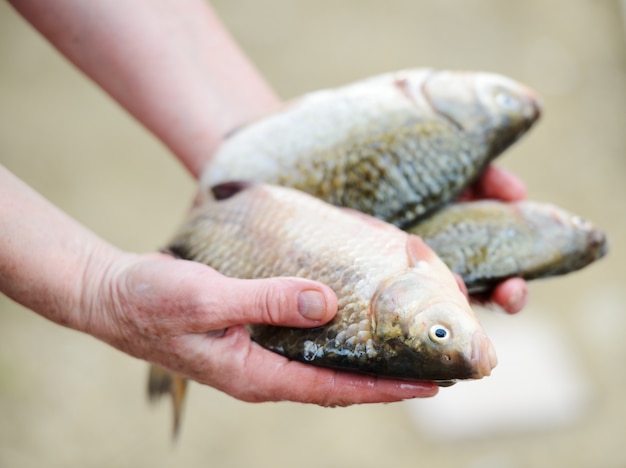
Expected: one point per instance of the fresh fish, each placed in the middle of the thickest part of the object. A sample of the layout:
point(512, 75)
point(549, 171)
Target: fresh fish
point(396, 146)
point(486, 242)
point(401, 312)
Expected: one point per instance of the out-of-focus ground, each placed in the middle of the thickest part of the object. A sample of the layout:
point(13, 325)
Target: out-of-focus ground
point(67, 400)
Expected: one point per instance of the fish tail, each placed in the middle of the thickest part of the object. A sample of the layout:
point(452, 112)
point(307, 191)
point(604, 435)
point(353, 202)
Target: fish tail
point(162, 382)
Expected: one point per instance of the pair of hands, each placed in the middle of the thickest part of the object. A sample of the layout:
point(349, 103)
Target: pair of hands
point(181, 315)
point(190, 319)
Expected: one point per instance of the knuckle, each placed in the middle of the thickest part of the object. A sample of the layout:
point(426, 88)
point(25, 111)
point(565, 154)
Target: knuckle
point(273, 303)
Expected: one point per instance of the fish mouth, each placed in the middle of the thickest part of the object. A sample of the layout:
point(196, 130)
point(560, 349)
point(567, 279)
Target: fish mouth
point(483, 357)
point(534, 109)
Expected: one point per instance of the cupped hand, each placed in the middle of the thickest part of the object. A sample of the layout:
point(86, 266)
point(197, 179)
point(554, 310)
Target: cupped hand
point(495, 182)
point(191, 320)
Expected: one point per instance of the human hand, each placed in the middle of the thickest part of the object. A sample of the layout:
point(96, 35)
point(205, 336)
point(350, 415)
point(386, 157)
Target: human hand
point(181, 315)
point(498, 183)
point(191, 320)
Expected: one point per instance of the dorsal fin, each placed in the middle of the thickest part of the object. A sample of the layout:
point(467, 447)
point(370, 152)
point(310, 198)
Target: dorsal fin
point(229, 189)
point(417, 250)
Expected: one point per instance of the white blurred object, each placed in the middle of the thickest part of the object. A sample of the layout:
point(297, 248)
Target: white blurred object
point(537, 385)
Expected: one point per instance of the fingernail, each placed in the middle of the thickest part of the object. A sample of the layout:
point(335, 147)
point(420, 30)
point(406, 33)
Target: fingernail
point(516, 301)
point(312, 305)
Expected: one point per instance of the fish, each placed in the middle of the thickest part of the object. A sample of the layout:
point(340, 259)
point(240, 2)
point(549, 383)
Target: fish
point(401, 313)
point(397, 146)
point(488, 241)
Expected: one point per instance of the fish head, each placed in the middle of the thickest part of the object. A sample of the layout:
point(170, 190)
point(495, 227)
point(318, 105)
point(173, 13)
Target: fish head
point(565, 242)
point(488, 105)
point(427, 329)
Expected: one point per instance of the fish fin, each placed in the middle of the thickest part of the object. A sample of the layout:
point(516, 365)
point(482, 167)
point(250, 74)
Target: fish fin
point(178, 251)
point(172, 252)
point(228, 189)
point(418, 251)
point(462, 286)
point(162, 382)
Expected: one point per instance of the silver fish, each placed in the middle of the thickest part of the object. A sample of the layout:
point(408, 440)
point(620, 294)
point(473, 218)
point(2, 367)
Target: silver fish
point(401, 313)
point(486, 242)
point(396, 146)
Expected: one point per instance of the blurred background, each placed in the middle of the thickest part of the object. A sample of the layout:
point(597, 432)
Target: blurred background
point(557, 396)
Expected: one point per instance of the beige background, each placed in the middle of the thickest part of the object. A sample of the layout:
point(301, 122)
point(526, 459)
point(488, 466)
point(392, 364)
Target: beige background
point(67, 400)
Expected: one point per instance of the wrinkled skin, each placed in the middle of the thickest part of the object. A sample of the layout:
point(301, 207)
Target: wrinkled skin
point(214, 348)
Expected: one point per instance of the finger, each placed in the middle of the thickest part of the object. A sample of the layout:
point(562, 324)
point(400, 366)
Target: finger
point(209, 300)
point(497, 183)
point(180, 296)
point(511, 295)
point(254, 374)
point(294, 302)
point(502, 184)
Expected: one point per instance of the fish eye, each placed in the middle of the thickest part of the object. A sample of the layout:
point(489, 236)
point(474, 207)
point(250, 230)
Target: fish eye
point(506, 101)
point(439, 334)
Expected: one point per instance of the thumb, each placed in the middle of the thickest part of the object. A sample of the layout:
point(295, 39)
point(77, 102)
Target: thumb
point(200, 299)
point(285, 301)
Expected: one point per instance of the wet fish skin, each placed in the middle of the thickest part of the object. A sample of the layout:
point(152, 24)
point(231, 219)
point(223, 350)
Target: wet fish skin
point(395, 296)
point(396, 146)
point(488, 241)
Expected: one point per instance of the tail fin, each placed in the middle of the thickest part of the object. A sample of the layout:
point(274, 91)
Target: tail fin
point(162, 382)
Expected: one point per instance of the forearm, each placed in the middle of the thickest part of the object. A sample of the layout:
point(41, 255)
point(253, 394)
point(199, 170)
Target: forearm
point(44, 254)
point(171, 64)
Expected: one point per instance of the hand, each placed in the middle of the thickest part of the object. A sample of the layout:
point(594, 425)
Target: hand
point(497, 183)
point(179, 314)
point(191, 320)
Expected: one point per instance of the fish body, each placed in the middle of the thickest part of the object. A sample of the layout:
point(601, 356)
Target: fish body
point(486, 242)
point(400, 312)
point(396, 146)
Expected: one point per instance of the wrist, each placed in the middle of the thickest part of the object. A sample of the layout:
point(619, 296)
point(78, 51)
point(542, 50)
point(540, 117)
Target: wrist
point(119, 298)
point(46, 257)
point(96, 296)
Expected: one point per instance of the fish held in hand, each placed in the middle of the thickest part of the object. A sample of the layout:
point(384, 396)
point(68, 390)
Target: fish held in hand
point(396, 146)
point(401, 312)
point(486, 242)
